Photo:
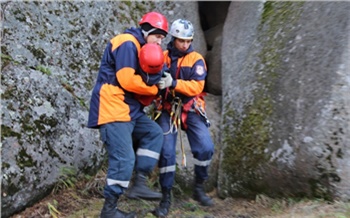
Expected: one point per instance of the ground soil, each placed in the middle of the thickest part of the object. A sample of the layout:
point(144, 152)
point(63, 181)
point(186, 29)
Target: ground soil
point(69, 204)
point(85, 200)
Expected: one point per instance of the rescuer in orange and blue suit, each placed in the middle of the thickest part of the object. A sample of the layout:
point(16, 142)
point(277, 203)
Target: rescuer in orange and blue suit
point(183, 108)
point(119, 115)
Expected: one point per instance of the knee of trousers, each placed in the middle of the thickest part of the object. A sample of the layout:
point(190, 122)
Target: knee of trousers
point(208, 152)
point(204, 153)
point(156, 130)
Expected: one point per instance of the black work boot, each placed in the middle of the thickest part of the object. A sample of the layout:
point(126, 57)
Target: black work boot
point(141, 190)
point(200, 195)
point(164, 205)
point(110, 210)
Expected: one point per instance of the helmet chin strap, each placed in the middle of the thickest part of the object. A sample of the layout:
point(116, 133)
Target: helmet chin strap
point(146, 33)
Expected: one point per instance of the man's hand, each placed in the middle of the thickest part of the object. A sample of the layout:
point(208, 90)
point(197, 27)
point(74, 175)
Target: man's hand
point(165, 81)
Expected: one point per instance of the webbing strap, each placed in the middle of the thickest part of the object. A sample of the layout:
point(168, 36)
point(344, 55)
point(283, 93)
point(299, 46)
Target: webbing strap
point(175, 119)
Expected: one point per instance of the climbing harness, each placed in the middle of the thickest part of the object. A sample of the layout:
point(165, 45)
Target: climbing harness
point(174, 119)
point(175, 124)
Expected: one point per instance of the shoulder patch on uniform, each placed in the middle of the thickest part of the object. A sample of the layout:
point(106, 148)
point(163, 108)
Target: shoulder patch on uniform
point(199, 70)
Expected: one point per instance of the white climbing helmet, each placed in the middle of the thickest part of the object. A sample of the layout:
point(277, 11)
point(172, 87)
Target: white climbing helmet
point(182, 29)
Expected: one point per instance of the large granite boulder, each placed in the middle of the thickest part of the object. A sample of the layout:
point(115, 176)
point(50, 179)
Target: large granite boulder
point(286, 91)
point(50, 55)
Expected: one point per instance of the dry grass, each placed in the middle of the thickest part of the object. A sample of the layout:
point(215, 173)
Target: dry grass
point(85, 200)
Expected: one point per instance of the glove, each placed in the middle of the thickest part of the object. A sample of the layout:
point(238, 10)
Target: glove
point(165, 81)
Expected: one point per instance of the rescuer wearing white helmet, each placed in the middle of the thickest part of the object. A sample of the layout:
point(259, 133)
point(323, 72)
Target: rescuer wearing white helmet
point(183, 87)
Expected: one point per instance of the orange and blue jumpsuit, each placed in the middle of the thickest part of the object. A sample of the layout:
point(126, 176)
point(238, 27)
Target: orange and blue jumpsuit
point(119, 116)
point(189, 72)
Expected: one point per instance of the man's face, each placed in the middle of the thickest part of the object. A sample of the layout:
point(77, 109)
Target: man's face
point(182, 44)
point(155, 38)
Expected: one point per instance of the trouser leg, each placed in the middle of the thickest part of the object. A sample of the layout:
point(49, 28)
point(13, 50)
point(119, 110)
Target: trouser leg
point(118, 143)
point(149, 138)
point(202, 149)
point(167, 166)
point(167, 160)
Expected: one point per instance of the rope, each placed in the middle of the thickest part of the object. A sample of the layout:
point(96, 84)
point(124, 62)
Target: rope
point(175, 124)
point(183, 163)
point(175, 116)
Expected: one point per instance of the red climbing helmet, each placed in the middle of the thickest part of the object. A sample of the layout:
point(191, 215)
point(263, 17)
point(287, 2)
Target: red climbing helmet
point(151, 58)
point(156, 20)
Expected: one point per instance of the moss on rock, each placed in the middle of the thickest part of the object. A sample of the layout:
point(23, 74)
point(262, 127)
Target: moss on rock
point(248, 135)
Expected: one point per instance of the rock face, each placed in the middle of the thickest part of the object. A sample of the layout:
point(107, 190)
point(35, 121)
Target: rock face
point(281, 126)
point(50, 54)
point(285, 129)
point(43, 135)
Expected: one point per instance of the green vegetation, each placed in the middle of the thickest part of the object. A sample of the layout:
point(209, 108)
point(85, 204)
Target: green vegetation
point(25, 160)
point(52, 209)
point(8, 132)
point(67, 179)
point(6, 59)
point(43, 69)
point(77, 196)
point(84, 199)
point(38, 53)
